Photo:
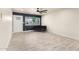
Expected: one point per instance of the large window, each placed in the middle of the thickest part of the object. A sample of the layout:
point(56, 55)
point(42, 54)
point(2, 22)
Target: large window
point(32, 21)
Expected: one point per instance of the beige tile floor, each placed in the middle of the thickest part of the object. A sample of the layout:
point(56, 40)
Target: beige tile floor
point(41, 41)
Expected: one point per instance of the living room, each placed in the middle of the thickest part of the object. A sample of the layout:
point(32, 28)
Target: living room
point(33, 29)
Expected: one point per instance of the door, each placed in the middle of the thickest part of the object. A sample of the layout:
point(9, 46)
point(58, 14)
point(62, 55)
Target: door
point(17, 23)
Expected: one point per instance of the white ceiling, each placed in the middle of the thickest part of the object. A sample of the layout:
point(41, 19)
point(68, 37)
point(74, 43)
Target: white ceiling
point(32, 10)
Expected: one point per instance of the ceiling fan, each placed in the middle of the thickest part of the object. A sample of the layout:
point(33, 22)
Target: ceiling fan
point(40, 10)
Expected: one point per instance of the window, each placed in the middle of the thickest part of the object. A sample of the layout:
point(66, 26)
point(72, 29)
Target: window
point(32, 21)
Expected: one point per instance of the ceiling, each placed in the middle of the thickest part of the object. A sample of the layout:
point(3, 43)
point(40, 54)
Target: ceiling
point(33, 10)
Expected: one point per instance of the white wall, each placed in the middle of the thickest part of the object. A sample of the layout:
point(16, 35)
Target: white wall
point(5, 27)
point(63, 22)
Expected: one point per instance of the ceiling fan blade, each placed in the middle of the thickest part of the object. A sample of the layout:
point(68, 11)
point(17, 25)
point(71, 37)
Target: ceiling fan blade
point(43, 10)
